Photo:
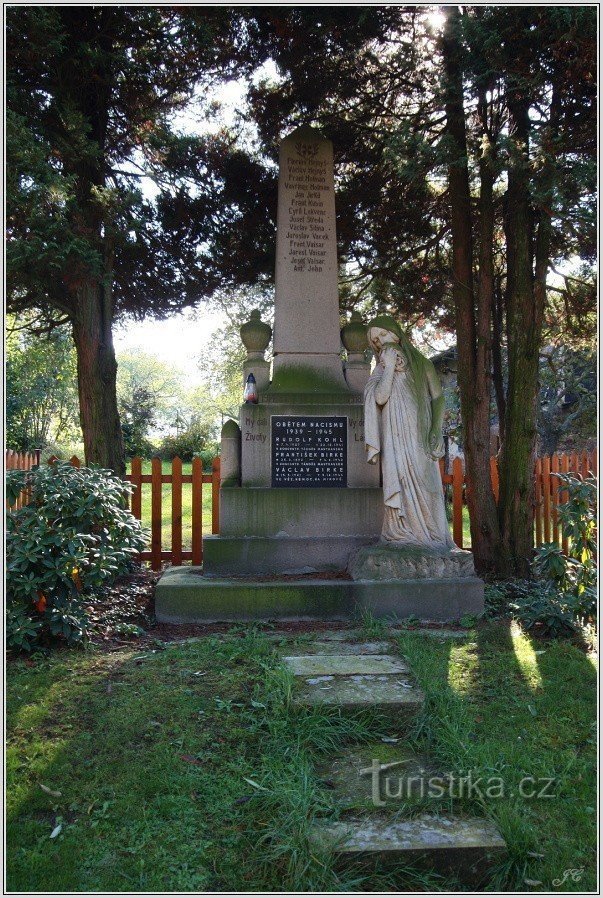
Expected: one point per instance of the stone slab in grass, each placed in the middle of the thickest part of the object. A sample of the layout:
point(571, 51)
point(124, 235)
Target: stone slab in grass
point(392, 692)
point(330, 647)
point(467, 846)
point(392, 774)
point(341, 664)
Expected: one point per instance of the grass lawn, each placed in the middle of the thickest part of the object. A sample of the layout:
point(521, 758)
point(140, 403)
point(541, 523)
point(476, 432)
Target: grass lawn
point(181, 767)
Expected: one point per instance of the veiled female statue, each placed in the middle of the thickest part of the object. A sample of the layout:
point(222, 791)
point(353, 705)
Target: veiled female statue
point(404, 409)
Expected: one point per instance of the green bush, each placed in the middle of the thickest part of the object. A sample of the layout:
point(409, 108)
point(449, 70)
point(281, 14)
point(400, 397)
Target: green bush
point(574, 575)
point(196, 440)
point(73, 536)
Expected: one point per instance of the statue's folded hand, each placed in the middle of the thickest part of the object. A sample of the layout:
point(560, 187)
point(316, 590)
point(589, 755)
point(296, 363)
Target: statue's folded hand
point(435, 444)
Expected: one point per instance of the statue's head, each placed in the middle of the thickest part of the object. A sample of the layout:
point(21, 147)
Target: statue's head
point(382, 330)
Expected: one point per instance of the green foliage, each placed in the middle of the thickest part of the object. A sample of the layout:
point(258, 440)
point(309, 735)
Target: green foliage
point(574, 574)
point(73, 536)
point(195, 440)
point(41, 388)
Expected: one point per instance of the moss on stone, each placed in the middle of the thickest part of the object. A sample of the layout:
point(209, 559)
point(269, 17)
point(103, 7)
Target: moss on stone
point(296, 379)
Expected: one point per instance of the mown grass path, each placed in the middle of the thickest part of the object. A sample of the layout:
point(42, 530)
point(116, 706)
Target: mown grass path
point(182, 767)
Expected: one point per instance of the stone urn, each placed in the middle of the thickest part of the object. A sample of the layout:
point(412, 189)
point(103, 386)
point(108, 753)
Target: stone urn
point(256, 334)
point(353, 334)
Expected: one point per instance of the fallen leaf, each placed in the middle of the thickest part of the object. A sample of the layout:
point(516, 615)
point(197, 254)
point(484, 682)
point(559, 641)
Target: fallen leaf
point(534, 854)
point(200, 673)
point(532, 882)
point(50, 791)
point(190, 759)
point(56, 831)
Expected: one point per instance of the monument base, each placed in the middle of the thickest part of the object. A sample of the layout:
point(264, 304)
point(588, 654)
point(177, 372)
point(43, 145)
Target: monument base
point(184, 596)
point(224, 556)
point(395, 561)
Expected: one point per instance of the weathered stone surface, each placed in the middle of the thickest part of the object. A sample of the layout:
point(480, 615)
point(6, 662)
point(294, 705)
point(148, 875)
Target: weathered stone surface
point(306, 322)
point(399, 776)
point(224, 556)
point(385, 561)
point(183, 595)
point(464, 844)
point(314, 512)
point(330, 647)
point(394, 692)
point(311, 666)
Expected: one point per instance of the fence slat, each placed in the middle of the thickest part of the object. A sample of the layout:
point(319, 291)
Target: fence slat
point(74, 460)
point(593, 462)
point(215, 495)
point(564, 467)
point(538, 500)
point(584, 464)
point(554, 498)
point(197, 511)
point(546, 498)
point(136, 481)
point(156, 514)
point(176, 511)
point(457, 502)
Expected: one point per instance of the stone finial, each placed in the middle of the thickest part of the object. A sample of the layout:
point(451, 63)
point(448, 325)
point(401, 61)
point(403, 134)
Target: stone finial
point(353, 334)
point(355, 341)
point(230, 454)
point(256, 335)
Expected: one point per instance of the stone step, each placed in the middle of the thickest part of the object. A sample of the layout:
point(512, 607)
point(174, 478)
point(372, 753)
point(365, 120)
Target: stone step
point(331, 647)
point(342, 664)
point(388, 773)
point(466, 846)
point(355, 682)
point(389, 692)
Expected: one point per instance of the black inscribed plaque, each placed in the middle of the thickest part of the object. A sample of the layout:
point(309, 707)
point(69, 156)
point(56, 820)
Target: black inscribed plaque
point(309, 450)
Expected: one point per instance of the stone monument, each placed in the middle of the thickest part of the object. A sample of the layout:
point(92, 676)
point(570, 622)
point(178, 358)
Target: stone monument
point(298, 499)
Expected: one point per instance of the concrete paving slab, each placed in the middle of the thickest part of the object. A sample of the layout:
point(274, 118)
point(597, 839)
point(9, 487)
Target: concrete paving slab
point(467, 846)
point(394, 692)
point(330, 647)
point(369, 777)
point(313, 665)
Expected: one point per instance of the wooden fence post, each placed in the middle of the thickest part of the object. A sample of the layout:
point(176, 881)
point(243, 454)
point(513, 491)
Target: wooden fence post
point(215, 495)
point(538, 500)
point(197, 511)
point(156, 514)
point(136, 481)
point(176, 511)
point(546, 497)
point(554, 498)
point(457, 502)
point(564, 496)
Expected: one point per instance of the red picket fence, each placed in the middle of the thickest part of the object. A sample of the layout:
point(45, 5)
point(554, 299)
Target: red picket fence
point(548, 496)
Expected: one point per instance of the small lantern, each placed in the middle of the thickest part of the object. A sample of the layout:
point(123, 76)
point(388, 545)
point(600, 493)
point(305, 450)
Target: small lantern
point(250, 393)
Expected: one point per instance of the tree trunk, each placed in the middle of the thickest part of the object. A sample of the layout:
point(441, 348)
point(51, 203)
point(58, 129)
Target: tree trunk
point(473, 341)
point(524, 326)
point(97, 370)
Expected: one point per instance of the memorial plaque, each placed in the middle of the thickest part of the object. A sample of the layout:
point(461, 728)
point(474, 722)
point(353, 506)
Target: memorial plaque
point(309, 450)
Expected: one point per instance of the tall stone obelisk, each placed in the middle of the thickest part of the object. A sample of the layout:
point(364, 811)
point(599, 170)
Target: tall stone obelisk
point(306, 317)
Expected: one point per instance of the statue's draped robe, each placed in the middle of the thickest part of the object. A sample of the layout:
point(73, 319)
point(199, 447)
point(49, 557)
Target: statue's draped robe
point(412, 486)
